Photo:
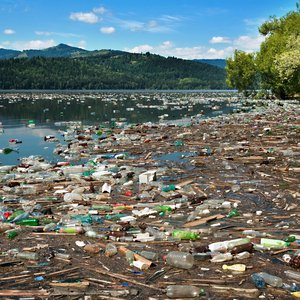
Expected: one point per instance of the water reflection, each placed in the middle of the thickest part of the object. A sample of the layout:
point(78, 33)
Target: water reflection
point(46, 110)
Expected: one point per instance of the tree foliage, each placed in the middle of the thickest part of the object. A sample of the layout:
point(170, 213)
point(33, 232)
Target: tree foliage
point(241, 71)
point(277, 63)
point(109, 70)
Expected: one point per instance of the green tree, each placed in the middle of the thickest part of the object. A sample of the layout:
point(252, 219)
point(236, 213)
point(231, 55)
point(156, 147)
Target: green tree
point(277, 59)
point(241, 71)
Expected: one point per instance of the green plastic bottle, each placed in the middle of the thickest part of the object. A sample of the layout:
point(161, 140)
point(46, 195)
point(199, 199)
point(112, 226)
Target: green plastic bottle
point(185, 234)
point(15, 214)
point(28, 222)
point(169, 188)
point(163, 208)
point(12, 234)
point(233, 213)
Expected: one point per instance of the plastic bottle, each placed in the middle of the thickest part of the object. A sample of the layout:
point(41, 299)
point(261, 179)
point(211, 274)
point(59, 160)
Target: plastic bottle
point(242, 255)
point(149, 255)
point(75, 229)
point(163, 208)
point(169, 188)
point(12, 234)
point(271, 279)
point(292, 274)
point(258, 281)
point(273, 244)
point(158, 235)
point(184, 291)
point(179, 259)
point(235, 267)
point(28, 222)
point(233, 213)
point(248, 247)
point(110, 250)
point(222, 257)
point(27, 255)
point(185, 234)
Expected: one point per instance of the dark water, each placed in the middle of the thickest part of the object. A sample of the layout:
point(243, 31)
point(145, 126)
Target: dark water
point(48, 111)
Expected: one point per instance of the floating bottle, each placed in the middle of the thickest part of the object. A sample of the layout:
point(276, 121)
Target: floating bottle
point(235, 267)
point(28, 222)
point(184, 291)
point(182, 260)
point(110, 250)
point(185, 234)
point(273, 244)
point(75, 229)
point(248, 247)
point(27, 255)
point(233, 213)
point(271, 279)
point(292, 274)
point(258, 281)
point(221, 257)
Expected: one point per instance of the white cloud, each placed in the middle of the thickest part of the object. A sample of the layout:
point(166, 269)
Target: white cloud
point(100, 10)
point(248, 43)
point(82, 44)
point(89, 17)
point(140, 49)
point(107, 30)
point(168, 48)
point(220, 40)
point(62, 34)
point(8, 31)
point(34, 44)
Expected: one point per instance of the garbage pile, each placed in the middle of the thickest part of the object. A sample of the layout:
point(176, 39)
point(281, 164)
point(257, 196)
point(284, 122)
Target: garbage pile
point(156, 211)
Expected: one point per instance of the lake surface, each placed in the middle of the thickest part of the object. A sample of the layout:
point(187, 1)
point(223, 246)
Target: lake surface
point(49, 111)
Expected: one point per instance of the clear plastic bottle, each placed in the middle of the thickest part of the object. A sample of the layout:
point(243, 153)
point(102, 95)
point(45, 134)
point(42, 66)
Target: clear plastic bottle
point(183, 291)
point(271, 279)
point(110, 250)
point(179, 259)
point(292, 274)
point(27, 255)
point(158, 235)
point(220, 257)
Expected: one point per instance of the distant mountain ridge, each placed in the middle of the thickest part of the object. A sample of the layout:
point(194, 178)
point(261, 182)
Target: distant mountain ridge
point(221, 63)
point(66, 67)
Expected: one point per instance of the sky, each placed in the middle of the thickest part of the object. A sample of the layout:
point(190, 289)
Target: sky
point(188, 29)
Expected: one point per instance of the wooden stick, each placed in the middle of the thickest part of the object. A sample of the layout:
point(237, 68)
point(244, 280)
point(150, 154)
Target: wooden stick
point(203, 220)
point(35, 293)
point(123, 277)
point(79, 285)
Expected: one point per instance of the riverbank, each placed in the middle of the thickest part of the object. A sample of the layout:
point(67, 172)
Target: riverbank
point(230, 178)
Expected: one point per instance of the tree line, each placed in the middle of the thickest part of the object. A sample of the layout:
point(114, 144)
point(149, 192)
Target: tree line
point(276, 66)
point(109, 70)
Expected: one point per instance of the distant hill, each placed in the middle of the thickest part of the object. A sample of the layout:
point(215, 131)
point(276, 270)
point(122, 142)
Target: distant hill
point(7, 53)
point(221, 63)
point(66, 67)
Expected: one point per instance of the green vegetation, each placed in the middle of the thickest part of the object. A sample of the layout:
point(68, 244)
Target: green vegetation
point(106, 69)
point(276, 66)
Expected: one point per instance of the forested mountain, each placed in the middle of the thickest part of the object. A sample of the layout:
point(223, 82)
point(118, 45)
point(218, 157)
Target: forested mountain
point(221, 63)
point(106, 69)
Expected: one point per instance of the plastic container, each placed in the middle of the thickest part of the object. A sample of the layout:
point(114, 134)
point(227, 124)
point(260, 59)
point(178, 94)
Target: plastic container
point(185, 234)
point(235, 267)
point(182, 260)
point(183, 291)
point(158, 235)
point(271, 279)
point(273, 244)
point(28, 222)
point(27, 255)
point(110, 250)
point(221, 257)
point(292, 275)
point(258, 281)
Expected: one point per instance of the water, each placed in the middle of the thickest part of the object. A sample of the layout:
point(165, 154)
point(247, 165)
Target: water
point(47, 110)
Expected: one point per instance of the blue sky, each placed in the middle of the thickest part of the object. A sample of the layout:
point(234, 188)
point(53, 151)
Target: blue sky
point(183, 28)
